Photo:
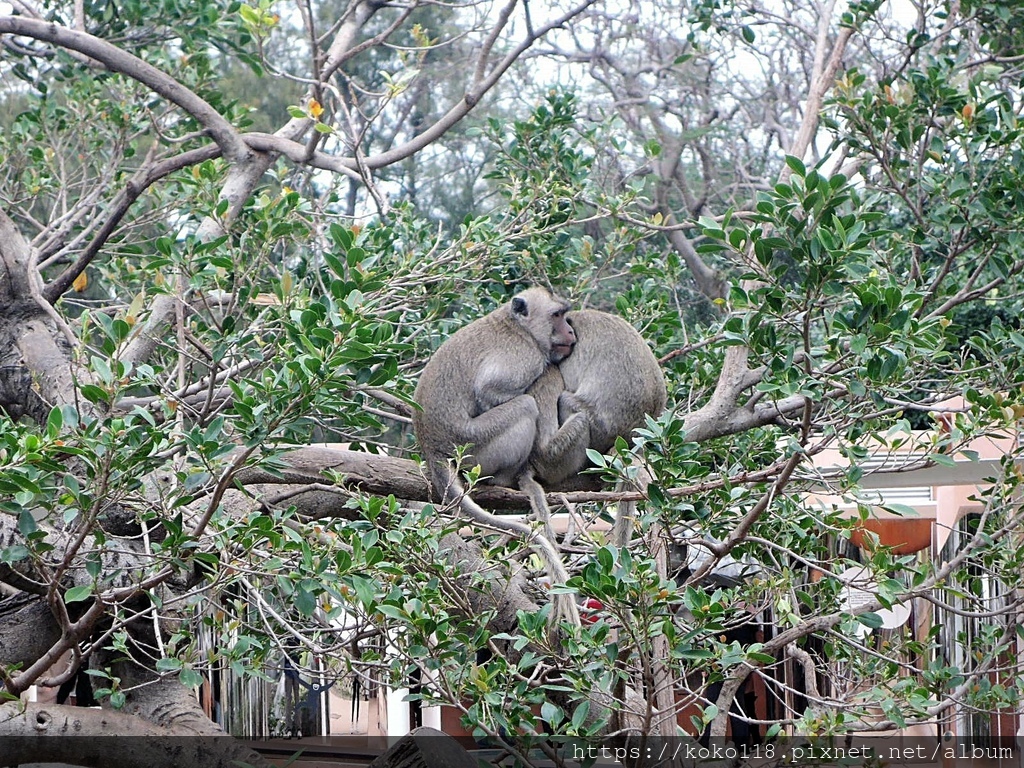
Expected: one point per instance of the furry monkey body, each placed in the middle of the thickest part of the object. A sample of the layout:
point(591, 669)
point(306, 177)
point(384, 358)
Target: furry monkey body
point(473, 390)
point(472, 393)
point(604, 390)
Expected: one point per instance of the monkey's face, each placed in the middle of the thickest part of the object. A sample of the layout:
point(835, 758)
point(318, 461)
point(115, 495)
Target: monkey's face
point(563, 337)
point(543, 317)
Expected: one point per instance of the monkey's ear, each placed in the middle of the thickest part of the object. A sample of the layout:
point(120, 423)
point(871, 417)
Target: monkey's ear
point(519, 306)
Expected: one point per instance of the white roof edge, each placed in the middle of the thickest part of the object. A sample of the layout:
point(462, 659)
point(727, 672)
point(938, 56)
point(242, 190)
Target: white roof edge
point(963, 473)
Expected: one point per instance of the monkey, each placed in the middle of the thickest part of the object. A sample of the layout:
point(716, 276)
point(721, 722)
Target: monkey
point(473, 389)
point(472, 393)
point(603, 390)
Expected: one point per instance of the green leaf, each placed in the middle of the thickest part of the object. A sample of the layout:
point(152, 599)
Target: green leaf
point(78, 594)
point(551, 714)
point(94, 394)
point(26, 523)
point(93, 564)
point(102, 369)
point(341, 236)
point(365, 590)
point(901, 509)
point(54, 422)
point(872, 620)
point(391, 611)
point(579, 717)
point(190, 678)
point(13, 554)
point(796, 165)
point(249, 15)
point(304, 601)
point(335, 264)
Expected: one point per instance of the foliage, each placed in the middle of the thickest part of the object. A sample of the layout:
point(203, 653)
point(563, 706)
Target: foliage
point(866, 287)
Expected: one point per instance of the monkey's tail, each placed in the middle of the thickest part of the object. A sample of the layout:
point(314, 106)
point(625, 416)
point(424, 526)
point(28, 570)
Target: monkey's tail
point(538, 502)
point(563, 605)
point(625, 511)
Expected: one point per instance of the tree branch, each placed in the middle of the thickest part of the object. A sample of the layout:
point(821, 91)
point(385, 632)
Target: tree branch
point(472, 96)
point(39, 733)
point(115, 211)
point(124, 63)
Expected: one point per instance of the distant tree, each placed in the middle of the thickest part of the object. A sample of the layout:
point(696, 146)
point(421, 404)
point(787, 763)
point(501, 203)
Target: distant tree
point(194, 287)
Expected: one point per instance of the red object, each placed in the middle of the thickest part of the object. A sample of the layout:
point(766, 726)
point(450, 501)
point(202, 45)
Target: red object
point(904, 535)
point(589, 610)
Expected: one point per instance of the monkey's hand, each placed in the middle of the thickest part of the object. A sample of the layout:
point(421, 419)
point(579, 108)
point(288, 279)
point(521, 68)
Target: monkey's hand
point(569, 405)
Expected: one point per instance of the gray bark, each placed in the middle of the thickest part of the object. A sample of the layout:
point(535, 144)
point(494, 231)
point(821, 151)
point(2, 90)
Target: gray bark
point(52, 733)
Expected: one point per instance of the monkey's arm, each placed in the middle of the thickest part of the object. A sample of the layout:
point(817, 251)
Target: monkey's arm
point(562, 453)
point(563, 430)
point(496, 382)
point(565, 453)
point(503, 437)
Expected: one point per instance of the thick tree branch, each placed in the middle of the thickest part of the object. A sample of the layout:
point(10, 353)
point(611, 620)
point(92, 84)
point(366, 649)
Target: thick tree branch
point(115, 211)
point(26, 626)
point(122, 62)
point(822, 79)
point(52, 733)
point(34, 344)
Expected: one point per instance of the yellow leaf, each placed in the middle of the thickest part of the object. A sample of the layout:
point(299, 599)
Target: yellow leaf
point(80, 282)
point(315, 109)
point(131, 316)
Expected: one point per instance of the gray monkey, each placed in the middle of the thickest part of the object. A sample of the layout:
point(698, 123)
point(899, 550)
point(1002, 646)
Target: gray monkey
point(472, 393)
point(603, 390)
point(473, 390)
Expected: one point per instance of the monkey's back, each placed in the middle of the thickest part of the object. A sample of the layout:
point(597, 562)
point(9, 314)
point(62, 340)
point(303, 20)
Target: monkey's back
point(481, 365)
point(613, 370)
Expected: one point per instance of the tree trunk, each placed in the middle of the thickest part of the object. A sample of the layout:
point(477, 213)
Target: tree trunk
point(52, 733)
